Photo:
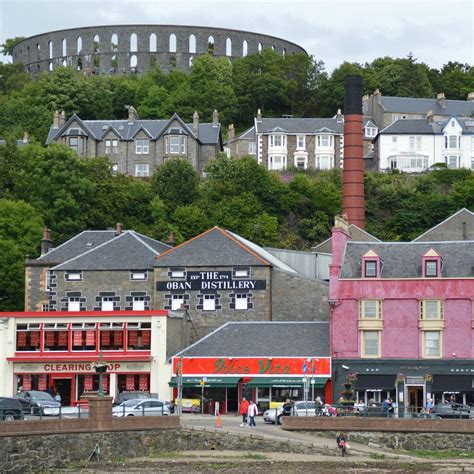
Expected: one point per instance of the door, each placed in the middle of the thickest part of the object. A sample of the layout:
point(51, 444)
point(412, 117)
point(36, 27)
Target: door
point(232, 399)
point(63, 386)
point(415, 398)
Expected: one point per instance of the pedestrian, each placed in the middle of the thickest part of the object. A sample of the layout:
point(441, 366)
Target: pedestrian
point(57, 397)
point(252, 413)
point(387, 407)
point(244, 406)
point(429, 405)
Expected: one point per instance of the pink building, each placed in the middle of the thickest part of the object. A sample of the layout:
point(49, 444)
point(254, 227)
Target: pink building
point(402, 315)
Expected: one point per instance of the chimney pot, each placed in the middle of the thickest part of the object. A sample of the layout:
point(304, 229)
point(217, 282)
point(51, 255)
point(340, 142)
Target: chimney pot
point(132, 113)
point(46, 242)
point(171, 240)
point(441, 99)
point(118, 228)
point(430, 116)
point(470, 96)
point(56, 119)
point(259, 114)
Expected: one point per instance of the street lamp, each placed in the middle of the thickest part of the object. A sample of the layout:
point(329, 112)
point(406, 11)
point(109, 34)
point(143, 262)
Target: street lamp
point(101, 368)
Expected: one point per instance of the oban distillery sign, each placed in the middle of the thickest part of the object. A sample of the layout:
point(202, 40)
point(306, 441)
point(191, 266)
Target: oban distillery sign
point(196, 281)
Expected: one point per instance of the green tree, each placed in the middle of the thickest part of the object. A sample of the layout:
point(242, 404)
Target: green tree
point(10, 43)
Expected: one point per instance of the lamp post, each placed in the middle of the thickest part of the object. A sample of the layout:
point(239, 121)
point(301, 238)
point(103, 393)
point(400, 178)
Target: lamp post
point(101, 368)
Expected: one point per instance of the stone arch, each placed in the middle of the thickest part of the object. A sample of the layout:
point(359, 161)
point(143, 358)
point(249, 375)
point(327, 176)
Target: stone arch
point(260, 47)
point(210, 45)
point(64, 63)
point(79, 64)
point(245, 48)
point(273, 47)
point(96, 43)
point(50, 66)
point(283, 52)
point(133, 61)
point(50, 50)
point(192, 44)
point(38, 50)
point(153, 43)
point(78, 45)
point(228, 47)
point(172, 43)
point(133, 43)
point(114, 43)
point(64, 47)
point(191, 60)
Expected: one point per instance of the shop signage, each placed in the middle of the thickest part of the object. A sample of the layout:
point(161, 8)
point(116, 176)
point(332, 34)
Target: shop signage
point(133, 338)
point(62, 339)
point(49, 339)
point(143, 382)
point(35, 339)
point(146, 338)
point(27, 382)
point(77, 338)
point(42, 382)
point(79, 367)
point(88, 383)
point(21, 337)
point(198, 281)
point(130, 382)
point(118, 338)
point(253, 366)
point(90, 338)
point(105, 336)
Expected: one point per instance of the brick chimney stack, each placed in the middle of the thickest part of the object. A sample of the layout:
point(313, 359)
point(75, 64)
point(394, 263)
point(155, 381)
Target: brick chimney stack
point(259, 114)
point(441, 99)
point(430, 116)
point(196, 123)
point(171, 240)
point(132, 114)
point(118, 229)
point(46, 242)
point(470, 97)
point(215, 118)
point(353, 201)
point(231, 132)
point(56, 116)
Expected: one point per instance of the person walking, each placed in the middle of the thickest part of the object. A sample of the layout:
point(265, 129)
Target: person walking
point(252, 413)
point(244, 407)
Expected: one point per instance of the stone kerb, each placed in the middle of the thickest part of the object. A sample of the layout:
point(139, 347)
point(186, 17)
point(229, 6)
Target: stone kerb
point(400, 425)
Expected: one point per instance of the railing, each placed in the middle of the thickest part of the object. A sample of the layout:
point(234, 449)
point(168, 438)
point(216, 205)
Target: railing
point(13, 413)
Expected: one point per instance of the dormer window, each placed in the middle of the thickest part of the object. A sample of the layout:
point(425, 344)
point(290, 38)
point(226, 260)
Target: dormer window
point(175, 144)
point(431, 264)
point(370, 132)
point(370, 265)
point(277, 141)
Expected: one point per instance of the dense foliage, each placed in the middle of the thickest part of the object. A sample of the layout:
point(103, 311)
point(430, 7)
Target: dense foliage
point(295, 84)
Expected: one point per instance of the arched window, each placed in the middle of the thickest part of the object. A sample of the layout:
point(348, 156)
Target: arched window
point(114, 62)
point(114, 43)
point(192, 44)
point(273, 47)
point(283, 52)
point(79, 64)
point(172, 45)
point(210, 45)
point(64, 47)
point(153, 43)
point(64, 63)
point(50, 66)
point(79, 45)
point(38, 50)
point(96, 44)
point(133, 43)
point(245, 48)
point(133, 61)
point(228, 47)
point(260, 47)
point(191, 61)
point(50, 52)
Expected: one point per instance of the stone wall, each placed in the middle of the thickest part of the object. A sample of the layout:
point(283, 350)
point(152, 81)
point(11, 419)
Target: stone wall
point(92, 48)
point(295, 298)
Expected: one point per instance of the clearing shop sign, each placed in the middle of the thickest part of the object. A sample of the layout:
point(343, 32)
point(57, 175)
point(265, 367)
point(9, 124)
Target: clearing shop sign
point(202, 281)
point(253, 366)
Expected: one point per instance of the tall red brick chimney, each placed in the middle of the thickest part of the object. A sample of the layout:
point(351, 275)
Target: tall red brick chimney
point(353, 201)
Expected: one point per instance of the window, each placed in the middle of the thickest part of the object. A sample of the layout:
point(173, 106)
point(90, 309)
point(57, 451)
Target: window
point(115, 168)
point(301, 162)
point(431, 309)
point(370, 343)
point(138, 336)
point(28, 337)
point(418, 143)
point(177, 301)
point(252, 148)
point(277, 162)
point(241, 272)
point(394, 143)
point(370, 268)
point(83, 336)
point(241, 301)
point(56, 337)
point(111, 336)
point(325, 141)
point(411, 141)
point(209, 303)
point(175, 145)
point(178, 274)
point(370, 132)
point(107, 303)
point(451, 141)
point(324, 162)
point(111, 147)
point(142, 170)
point(300, 142)
point(73, 276)
point(74, 304)
point(432, 343)
point(138, 303)
point(76, 144)
point(142, 147)
point(370, 309)
point(47, 283)
point(452, 162)
point(277, 141)
point(431, 268)
point(139, 275)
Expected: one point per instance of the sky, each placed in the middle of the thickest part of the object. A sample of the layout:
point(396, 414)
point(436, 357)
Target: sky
point(435, 31)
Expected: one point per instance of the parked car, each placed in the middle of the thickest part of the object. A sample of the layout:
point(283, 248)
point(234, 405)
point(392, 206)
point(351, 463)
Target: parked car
point(452, 410)
point(34, 401)
point(124, 396)
point(299, 408)
point(141, 407)
point(10, 409)
point(269, 415)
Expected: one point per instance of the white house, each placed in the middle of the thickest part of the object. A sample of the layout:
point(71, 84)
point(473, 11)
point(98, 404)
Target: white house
point(414, 145)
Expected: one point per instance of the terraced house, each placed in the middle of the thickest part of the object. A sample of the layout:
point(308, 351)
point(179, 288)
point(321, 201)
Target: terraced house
point(137, 147)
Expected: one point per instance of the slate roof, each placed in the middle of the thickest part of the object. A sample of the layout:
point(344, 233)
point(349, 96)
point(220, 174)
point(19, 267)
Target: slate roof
point(404, 259)
point(357, 235)
point(208, 132)
point(413, 105)
point(264, 339)
point(127, 251)
point(423, 127)
point(220, 248)
point(77, 245)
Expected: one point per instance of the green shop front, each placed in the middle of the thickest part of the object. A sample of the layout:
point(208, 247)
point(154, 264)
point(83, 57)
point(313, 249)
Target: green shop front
point(268, 381)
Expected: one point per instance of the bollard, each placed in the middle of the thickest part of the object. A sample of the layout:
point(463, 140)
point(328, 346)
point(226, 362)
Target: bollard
point(276, 416)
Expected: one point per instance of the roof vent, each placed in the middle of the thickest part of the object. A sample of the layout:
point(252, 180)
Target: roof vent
point(121, 127)
point(105, 127)
point(89, 244)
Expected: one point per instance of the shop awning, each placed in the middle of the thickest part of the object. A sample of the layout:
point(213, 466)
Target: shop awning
point(319, 382)
point(210, 382)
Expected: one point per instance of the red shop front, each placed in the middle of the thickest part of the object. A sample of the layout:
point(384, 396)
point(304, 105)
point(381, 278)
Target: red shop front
point(268, 381)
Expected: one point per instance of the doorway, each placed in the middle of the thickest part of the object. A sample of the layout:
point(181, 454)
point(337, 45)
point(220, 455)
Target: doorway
point(63, 387)
point(415, 398)
point(232, 399)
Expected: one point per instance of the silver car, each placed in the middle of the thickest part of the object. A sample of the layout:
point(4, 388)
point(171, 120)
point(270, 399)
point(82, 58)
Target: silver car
point(269, 415)
point(141, 407)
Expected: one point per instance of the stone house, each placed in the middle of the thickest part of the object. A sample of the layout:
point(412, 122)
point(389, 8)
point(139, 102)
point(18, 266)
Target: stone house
point(138, 147)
